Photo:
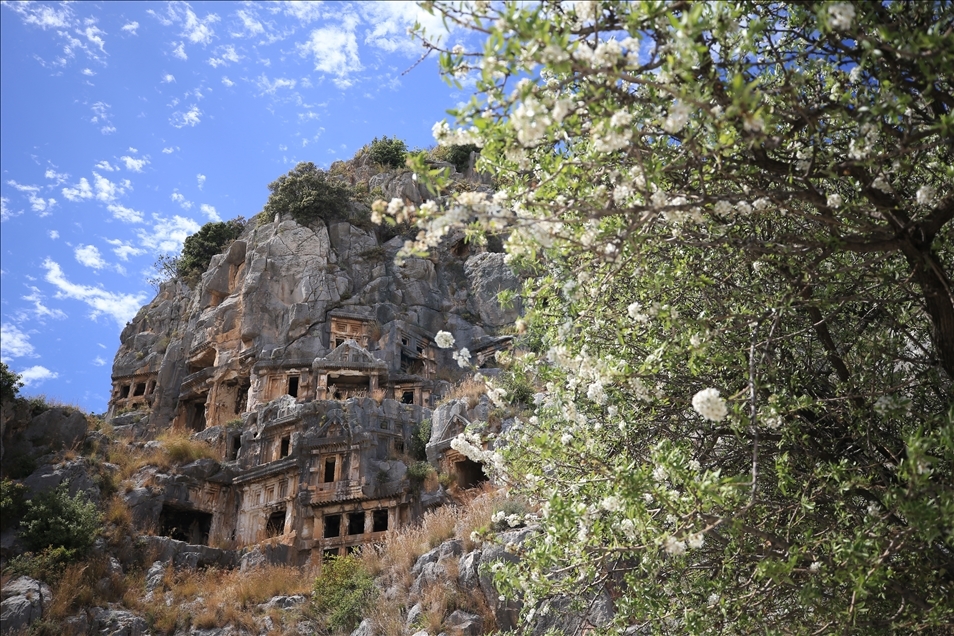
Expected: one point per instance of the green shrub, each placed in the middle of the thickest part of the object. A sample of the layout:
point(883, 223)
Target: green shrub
point(460, 155)
point(388, 152)
point(342, 592)
point(418, 472)
point(54, 519)
point(308, 195)
point(9, 384)
point(46, 565)
point(12, 502)
point(199, 248)
point(420, 436)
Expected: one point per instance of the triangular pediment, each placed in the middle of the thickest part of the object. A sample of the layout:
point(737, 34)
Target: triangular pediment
point(351, 355)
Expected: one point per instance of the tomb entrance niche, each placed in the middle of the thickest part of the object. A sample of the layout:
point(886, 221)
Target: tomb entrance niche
point(182, 524)
point(342, 387)
point(468, 473)
point(195, 414)
point(275, 524)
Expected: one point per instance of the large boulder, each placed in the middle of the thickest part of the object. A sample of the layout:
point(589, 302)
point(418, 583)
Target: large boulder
point(24, 600)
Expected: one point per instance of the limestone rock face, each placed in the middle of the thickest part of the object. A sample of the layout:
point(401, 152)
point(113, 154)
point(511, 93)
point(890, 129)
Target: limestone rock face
point(24, 601)
point(305, 359)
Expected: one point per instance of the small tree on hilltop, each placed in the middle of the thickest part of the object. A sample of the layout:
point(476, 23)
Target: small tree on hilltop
point(307, 194)
point(199, 248)
point(388, 152)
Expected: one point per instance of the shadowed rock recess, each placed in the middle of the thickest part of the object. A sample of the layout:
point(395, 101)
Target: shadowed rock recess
point(305, 358)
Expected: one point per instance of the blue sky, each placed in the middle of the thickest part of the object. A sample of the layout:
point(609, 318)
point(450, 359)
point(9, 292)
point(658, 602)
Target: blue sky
point(127, 125)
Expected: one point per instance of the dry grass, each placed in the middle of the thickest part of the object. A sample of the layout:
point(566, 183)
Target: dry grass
point(182, 449)
point(469, 389)
point(217, 598)
point(85, 584)
point(395, 558)
point(177, 448)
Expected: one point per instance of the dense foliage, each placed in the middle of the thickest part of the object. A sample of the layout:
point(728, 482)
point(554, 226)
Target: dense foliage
point(55, 519)
point(342, 592)
point(308, 195)
point(199, 248)
point(457, 154)
point(10, 384)
point(741, 325)
point(388, 152)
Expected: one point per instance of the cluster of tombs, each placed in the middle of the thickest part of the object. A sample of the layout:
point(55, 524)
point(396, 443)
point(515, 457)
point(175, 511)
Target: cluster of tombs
point(314, 451)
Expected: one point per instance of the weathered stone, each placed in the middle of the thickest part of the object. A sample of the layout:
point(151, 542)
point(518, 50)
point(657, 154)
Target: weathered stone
point(110, 622)
point(364, 629)
point(24, 600)
point(463, 623)
point(468, 574)
point(415, 615)
point(77, 472)
point(154, 575)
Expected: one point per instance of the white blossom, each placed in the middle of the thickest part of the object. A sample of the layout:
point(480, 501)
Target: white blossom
point(674, 546)
point(677, 119)
point(709, 405)
point(695, 540)
point(840, 16)
point(925, 195)
point(462, 357)
point(611, 504)
point(834, 200)
point(444, 339)
point(596, 393)
point(815, 566)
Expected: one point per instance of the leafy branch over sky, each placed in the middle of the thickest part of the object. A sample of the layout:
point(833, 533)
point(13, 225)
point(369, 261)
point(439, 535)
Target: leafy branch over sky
point(736, 222)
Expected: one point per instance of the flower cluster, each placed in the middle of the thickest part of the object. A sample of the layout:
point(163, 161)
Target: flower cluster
point(444, 340)
point(709, 405)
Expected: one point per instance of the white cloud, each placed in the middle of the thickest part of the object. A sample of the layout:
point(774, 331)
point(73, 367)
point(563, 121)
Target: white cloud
point(43, 16)
point(226, 55)
point(227, 81)
point(167, 235)
point(200, 179)
point(40, 311)
point(93, 34)
point(250, 24)
point(105, 165)
point(179, 51)
point(168, 78)
point(120, 307)
point(53, 175)
point(14, 343)
point(87, 72)
point(168, 151)
point(99, 362)
point(179, 198)
point(89, 256)
point(304, 11)
point(124, 214)
point(335, 50)
point(106, 190)
point(5, 212)
point(210, 212)
point(79, 191)
point(389, 24)
point(37, 203)
point(36, 375)
point(189, 118)
point(101, 115)
point(54, 234)
point(195, 29)
point(124, 250)
point(134, 164)
point(130, 27)
point(270, 86)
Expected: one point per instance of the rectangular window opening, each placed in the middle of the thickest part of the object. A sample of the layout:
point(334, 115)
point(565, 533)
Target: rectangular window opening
point(379, 520)
point(293, 386)
point(124, 392)
point(140, 389)
point(236, 447)
point(329, 554)
point(332, 526)
point(356, 523)
point(286, 447)
point(275, 526)
point(407, 397)
point(329, 470)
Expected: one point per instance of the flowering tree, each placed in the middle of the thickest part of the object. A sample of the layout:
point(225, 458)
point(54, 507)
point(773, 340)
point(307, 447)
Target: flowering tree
point(736, 221)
